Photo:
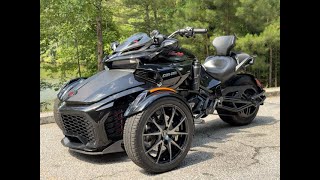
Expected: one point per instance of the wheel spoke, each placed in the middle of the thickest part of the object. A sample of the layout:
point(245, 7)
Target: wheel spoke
point(172, 116)
point(152, 134)
point(157, 144)
point(177, 133)
point(244, 96)
point(164, 116)
point(175, 144)
point(155, 123)
point(234, 105)
point(170, 150)
point(184, 118)
point(160, 152)
point(161, 136)
point(248, 111)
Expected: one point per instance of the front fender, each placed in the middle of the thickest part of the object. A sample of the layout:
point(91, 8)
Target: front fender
point(67, 86)
point(145, 99)
point(255, 80)
point(238, 76)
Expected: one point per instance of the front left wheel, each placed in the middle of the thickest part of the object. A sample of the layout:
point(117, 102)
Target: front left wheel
point(159, 138)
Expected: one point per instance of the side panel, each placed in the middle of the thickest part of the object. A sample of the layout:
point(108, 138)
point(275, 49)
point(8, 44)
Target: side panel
point(173, 55)
point(173, 65)
point(207, 81)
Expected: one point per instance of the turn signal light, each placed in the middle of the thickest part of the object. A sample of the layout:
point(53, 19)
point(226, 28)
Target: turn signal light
point(161, 89)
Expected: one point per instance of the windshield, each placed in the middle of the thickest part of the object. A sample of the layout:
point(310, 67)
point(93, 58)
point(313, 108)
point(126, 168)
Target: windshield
point(133, 42)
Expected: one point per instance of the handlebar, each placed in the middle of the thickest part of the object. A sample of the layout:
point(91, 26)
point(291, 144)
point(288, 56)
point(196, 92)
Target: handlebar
point(200, 31)
point(188, 32)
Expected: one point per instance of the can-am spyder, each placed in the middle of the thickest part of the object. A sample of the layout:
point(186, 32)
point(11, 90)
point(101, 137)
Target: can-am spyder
point(151, 94)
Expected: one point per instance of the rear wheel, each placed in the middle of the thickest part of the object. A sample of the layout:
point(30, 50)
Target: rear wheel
point(159, 138)
point(247, 115)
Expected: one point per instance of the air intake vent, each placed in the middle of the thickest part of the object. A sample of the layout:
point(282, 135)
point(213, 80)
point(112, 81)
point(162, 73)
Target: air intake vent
point(78, 125)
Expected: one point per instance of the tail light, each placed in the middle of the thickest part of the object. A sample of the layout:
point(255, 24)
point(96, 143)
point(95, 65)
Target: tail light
point(258, 83)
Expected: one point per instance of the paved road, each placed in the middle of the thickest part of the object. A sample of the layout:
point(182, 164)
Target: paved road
point(219, 152)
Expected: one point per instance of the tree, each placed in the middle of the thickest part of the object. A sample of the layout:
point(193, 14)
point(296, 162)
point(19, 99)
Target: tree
point(271, 38)
point(75, 34)
point(225, 17)
point(68, 29)
point(98, 7)
point(255, 15)
point(267, 47)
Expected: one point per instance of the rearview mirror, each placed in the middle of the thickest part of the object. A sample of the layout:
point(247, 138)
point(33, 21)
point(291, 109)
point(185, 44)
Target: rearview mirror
point(114, 45)
point(169, 43)
point(154, 33)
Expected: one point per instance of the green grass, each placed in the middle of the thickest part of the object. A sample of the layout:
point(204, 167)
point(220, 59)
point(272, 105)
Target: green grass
point(52, 78)
point(48, 107)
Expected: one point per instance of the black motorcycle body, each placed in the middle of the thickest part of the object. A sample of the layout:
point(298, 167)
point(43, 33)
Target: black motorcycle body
point(93, 112)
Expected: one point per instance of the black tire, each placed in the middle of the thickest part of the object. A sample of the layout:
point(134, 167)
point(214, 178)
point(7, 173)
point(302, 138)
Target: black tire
point(134, 136)
point(56, 114)
point(237, 119)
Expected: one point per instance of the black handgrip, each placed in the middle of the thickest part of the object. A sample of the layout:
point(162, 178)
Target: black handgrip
point(200, 31)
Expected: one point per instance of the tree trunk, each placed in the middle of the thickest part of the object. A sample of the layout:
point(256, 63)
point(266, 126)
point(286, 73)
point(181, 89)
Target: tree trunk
point(147, 18)
point(207, 49)
point(276, 69)
point(155, 15)
point(78, 59)
point(270, 67)
point(228, 18)
point(99, 36)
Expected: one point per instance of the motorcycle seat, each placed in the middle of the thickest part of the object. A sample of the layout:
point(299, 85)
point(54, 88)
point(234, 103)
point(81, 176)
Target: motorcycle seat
point(220, 67)
point(240, 56)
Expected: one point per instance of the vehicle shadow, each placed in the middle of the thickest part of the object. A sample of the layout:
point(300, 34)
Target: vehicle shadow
point(101, 159)
point(219, 131)
point(214, 130)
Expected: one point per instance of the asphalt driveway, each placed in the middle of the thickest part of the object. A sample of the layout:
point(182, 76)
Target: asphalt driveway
point(219, 151)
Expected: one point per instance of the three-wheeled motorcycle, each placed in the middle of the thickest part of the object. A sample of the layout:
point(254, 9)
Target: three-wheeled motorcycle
point(150, 96)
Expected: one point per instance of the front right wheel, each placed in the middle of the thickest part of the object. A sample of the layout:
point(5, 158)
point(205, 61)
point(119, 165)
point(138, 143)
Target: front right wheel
point(159, 138)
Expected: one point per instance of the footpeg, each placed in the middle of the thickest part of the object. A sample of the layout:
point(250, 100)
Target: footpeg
point(199, 121)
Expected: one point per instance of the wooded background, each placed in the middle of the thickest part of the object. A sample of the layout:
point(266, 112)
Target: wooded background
point(75, 33)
